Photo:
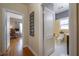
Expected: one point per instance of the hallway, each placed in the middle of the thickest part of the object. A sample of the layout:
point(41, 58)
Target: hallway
point(38, 29)
point(16, 48)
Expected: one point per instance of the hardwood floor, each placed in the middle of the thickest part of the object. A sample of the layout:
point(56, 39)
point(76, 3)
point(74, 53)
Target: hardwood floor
point(27, 52)
point(16, 49)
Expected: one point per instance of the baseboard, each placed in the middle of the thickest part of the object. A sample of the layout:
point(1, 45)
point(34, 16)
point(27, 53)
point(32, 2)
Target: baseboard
point(25, 46)
point(33, 51)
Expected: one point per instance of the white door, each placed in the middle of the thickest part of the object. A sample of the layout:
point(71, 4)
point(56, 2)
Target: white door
point(49, 17)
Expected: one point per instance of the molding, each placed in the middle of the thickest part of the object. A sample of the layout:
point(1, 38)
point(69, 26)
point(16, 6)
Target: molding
point(25, 46)
point(33, 51)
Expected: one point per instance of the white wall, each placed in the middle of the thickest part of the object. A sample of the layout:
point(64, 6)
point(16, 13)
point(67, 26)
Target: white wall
point(34, 42)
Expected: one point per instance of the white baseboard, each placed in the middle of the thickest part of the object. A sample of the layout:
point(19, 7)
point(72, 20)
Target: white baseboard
point(25, 46)
point(33, 51)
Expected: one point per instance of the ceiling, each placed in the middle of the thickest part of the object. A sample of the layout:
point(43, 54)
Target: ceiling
point(57, 7)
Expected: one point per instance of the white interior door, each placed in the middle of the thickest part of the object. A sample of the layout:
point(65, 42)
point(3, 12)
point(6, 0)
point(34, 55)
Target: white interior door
point(49, 17)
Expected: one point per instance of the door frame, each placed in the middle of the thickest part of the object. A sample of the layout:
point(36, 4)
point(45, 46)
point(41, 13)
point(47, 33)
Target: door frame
point(5, 20)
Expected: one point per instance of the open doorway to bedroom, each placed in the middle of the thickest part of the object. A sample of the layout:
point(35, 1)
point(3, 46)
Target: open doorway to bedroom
point(62, 36)
point(13, 33)
point(15, 37)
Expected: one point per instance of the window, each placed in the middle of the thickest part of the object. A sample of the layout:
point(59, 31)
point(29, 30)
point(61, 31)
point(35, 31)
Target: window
point(64, 23)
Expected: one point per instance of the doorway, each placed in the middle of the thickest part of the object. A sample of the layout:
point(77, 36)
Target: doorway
point(13, 33)
point(61, 37)
point(55, 41)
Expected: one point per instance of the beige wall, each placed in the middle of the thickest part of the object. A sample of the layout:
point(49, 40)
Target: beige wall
point(16, 7)
point(57, 27)
point(34, 41)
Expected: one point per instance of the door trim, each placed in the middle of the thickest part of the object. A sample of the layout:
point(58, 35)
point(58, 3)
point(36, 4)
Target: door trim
point(4, 11)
